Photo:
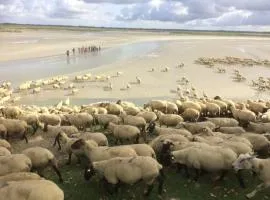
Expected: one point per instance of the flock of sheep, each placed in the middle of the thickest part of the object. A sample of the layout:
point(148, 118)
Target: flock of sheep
point(138, 143)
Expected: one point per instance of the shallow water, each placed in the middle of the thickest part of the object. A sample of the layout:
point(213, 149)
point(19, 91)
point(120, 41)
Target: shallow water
point(32, 69)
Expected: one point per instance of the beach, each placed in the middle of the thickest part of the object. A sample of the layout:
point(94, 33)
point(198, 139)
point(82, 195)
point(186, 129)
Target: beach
point(168, 50)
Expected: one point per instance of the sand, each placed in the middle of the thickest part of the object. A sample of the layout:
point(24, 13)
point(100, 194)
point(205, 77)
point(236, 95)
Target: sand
point(156, 84)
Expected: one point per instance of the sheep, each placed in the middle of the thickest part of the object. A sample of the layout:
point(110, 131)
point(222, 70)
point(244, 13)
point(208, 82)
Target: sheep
point(157, 143)
point(4, 151)
point(257, 107)
point(94, 153)
point(191, 114)
point(231, 130)
point(169, 119)
point(196, 127)
point(131, 110)
point(259, 127)
point(15, 128)
point(49, 119)
point(153, 129)
point(223, 106)
point(210, 159)
point(128, 170)
point(223, 122)
point(143, 150)
point(260, 143)
point(99, 138)
point(41, 158)
point(4, 143)
point(20, 176)
point(36, 90)
point(3, 131)
point(31, 190)
point(124, 132)
point(148, 116)
point(114, 109)
point(104, 119)
point(61, 136)
point(68, 130)
point(14, 163)
point(212, 109)
point(259, 166)
point(11, 112)
point(265, 117)
point(243, 115)
point(134, 121)
point(81, 120)
point(31, 120)
point(237, 147)
point(157, 105)
point(171, 108)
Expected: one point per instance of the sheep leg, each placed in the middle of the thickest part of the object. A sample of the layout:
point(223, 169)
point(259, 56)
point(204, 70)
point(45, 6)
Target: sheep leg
point(137, 139)
point(223, 174)
point(240, 179)
point(24, 137)
point(160, 180)
point(56, 169)
point(35, 128)
point(257, 189)
point(69, 158)
point(45, 127)
point(198, 173)
point(149, 189)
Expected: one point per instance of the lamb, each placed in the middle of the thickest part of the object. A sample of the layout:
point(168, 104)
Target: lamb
point(128, 170)
point(148, 116)
point(196, 127)
point(104, 119)
point(94, 153)
point(153, 129)
point(169, 119)
point(223, 122)
point(14, 163)
point(259, 127)
point(231, 130)
point(3, 131)
point(211, 159)
point(49, 119)
point(4, 151)
point(20, 176)
point(99, 138)
point(15, 128)
point(134, 121)
point(80, 120)
point(41, 158)
point(124, 132)
point(31, 190)
point(260, 166)
point(191, 114)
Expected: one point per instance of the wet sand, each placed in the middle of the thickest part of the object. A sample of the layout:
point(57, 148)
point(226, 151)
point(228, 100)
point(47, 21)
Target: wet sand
point(159, 84)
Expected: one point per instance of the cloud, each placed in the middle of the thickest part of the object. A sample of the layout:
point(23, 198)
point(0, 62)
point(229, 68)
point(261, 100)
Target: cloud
point(207, 14)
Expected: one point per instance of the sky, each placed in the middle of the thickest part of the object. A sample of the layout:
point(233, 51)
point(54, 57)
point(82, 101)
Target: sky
point(245, 15)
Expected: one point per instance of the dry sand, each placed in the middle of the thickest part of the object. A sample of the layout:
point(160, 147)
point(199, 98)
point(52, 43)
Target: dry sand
point(156, 84)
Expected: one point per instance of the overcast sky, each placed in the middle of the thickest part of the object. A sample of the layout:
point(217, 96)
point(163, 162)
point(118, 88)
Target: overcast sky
point(188, 14)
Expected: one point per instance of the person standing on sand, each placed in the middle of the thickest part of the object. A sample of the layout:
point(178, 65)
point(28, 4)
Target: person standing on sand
point(73, 50)
point(79, 50)
point(67, 52)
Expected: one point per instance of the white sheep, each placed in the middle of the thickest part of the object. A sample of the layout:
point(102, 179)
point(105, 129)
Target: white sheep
point(15, 128)
point(82, 121)
point(20, 176)
point(31, 190)
point(153, 129)
point(160, 105)
point(129, 170)
point(97, 153)
point(231, 130)
point(243, 115)
point(223, 122)
point(169, 119)
point(11, 112)
point(98, 137)
point(125, 132)
point(257, 107)
point(6, 144)
point(259, 127)
point(143, 150)
point(14, 163)
point(49, 119)
point(134, 121)
point(190, 104)
point(259, 166)
point(36, 90)
point(4, 151)
point(104, 119)
point(196, 127)
point(148, 116)
point(31, 119)
point(42, 158)
point(114, 108)
point(191, 114)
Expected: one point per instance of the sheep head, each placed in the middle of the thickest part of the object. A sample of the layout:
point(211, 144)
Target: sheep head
point(89, 172)
point(243, 162)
